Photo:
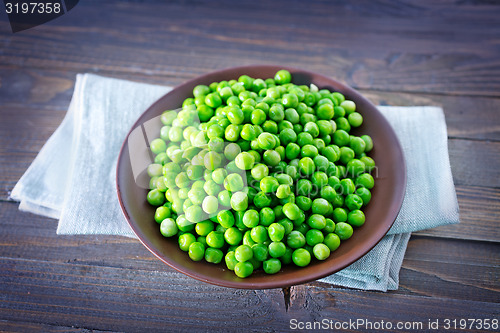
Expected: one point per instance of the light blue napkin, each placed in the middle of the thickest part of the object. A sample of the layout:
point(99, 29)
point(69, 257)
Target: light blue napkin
point(73, 177)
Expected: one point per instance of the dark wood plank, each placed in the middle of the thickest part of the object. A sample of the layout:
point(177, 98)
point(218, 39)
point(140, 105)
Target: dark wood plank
point(395, 46)
point(457, 269)
point(7, 326)
point(466, 117)
point(38, 89)
point(118, 299)
point(479, 214)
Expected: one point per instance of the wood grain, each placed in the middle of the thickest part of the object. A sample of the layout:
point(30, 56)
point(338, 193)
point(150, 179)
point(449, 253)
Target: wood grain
point(430, 52)
point(21, 88)
point(120, 300)
point(431, 262)
point(170, 39)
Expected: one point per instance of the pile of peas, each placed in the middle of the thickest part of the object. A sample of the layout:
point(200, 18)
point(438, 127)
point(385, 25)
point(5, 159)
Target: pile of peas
point(260, 173)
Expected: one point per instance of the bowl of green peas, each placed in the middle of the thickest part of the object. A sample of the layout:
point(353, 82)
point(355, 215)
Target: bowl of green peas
point(261, 177)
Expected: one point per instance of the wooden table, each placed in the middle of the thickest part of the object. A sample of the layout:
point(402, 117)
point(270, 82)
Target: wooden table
point(394, 52)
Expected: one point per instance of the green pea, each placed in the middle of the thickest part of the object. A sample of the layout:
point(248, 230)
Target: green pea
point(213, 256)
point(301, 257)
point(215, 239)
point(168, 227)
point(320, 206)
point(314, 236)
point(343, 230)
point(271, 266)
point(347, 186)
point(259, 234)
point(292, 151)
point(349, 106)
point(277, 249)
point(251, 218)
point(266, 141)
point(230, 260)
point(358, 145)
point(364, 194)
point(291, 211)
point(185, 241)
point(304, 138)
point(365, 180)
point(262, 200)
point(369, 163)
point(368, 141)
point(269, 184)
point(224, 198)
point(161, 213)
point(248, 132)
point(244, 161)
point(295, 239)
point(243, 269)
point(233, 182)
point(259, 171)
point(225, 218)
point(276, 232)
point(194, 214)
point(243, 253)
point(321, 251)
point(204, 228)
point(353, 202)
point(196, 251)
point(156, 197)
point(260, 252)
point(210, 204)
point(332, 241)
point(233, 236)
point(282, 77)
point(356, 218)
point(306, 166)
point(266, 216)
point(239, 201)
point(316, 221)
point(341, 138)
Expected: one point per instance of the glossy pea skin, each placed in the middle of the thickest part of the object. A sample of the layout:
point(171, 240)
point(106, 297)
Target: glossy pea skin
point(321, 251)
point(301, 257)
point(196, 251)
point(213, 256)
point(239, 201)
point(156, 197)
point(356, 218)
point(233, 236)
point(276, 249)
point(168, 227)
point(296, 239)
point(266, 216)
point(314, 236)
point(282, 77)
point(185, 240)
point(260, 252)
point(243, 253)
point(294, 145)
point(162, 213)
point(343, 230)
point(276, 232)
point(259, 234)
point(251, 218)
point(243, 269)
point(230, 260)
point(353, 202)
point(271, 266)
point(269, 184)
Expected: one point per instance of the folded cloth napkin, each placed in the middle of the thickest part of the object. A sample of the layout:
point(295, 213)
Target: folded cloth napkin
point(73, 177)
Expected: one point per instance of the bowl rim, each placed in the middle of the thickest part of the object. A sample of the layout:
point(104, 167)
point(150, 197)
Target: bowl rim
point(272, 283)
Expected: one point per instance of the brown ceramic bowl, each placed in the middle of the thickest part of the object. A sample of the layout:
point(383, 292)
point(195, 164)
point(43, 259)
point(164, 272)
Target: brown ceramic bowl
point(387, 195)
